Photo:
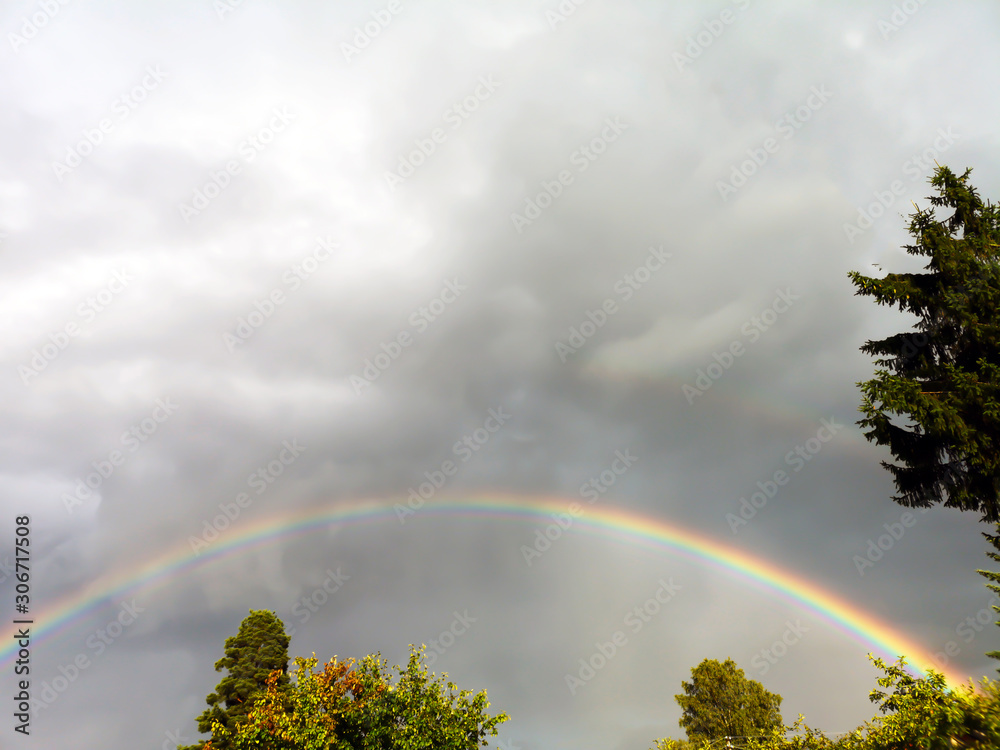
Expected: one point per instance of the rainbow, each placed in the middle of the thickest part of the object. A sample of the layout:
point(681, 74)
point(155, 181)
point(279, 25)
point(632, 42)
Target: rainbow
point(626, 526)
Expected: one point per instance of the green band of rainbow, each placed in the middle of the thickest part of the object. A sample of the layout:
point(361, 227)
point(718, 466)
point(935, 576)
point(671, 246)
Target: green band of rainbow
point(612, 523)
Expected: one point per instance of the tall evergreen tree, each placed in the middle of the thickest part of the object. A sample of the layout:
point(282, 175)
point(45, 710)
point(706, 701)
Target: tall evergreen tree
point(721, 702)
point(259, 648)
point(993, 577)
point(945, 377)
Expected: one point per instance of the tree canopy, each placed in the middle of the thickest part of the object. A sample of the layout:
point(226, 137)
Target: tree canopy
point(346, 705)
point(358, 707)
point(945, 377)
point(917, 713)
point(721, 702)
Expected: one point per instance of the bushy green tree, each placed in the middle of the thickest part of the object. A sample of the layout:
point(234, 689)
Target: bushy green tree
point(799, 736)
point(304, 718)
point(416, 712)
point(925, 714)
point(945, 376)
point(917, 714)
point(721, 702)
point(669, 743)
point(349, 706)
point(259, 648)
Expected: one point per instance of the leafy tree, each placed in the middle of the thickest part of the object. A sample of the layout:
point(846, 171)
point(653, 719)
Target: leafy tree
point(349, 706)
point(993, 577)
point(668, 743)
point(919, 714)
point(924, 713)
point(416, 712)
point(721, 702)
point(803, 737)
point(305, 718)
point(946, 376)
point(259, 648)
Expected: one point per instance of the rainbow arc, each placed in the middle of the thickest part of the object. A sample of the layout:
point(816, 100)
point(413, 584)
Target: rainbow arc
point(875, 635)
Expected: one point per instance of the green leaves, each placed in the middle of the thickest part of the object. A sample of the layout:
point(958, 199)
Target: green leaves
point(993, 577)
point(720, 702)
point(946, 375)
point(417, 712)
point(924, 713)
point(918, 714)
point(344, 706)
point(259, 648)
point(348, 706)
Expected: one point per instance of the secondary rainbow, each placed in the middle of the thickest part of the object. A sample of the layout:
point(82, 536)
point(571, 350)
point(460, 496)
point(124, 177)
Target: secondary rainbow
point(630, 527)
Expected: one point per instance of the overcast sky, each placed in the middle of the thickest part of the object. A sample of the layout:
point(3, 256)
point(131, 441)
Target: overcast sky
point(323, 241)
